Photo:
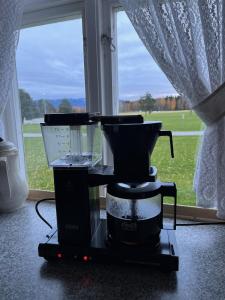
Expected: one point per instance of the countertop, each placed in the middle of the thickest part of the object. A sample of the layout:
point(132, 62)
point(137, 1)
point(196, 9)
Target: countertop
point(25, 275)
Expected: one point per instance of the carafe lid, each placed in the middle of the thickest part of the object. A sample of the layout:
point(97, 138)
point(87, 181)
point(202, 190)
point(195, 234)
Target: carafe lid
point(7, 148)
point(134, 190)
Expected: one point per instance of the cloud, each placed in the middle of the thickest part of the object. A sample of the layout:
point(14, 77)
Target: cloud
point(50, 62)
point(137, 71)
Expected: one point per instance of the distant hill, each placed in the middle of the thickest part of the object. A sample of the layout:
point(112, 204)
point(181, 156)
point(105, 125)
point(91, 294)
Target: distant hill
point(75, 102)
point(78, 102)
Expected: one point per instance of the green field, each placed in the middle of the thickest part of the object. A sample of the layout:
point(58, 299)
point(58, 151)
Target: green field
point(179, 170)
point(31, 128)
point(176, 120)
point(39, 175)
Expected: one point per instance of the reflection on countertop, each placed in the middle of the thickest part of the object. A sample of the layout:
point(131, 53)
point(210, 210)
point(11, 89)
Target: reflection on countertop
point(25, 275)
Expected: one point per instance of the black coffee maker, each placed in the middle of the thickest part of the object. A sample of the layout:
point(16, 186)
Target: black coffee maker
point(133, 231)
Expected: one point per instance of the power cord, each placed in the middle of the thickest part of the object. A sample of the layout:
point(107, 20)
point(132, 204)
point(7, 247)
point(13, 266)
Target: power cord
point(38, 213)
point(201, 223)
point(179, 224)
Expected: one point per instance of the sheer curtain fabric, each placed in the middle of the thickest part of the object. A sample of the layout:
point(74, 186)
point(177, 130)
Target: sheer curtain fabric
point(187, 40)
point(10, 120)
point(10, 19)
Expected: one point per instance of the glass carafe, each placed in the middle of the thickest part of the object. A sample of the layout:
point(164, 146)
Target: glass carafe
point(134, 212)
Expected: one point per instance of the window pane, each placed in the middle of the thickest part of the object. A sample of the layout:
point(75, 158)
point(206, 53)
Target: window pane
point(50, 71)
point(143, 88)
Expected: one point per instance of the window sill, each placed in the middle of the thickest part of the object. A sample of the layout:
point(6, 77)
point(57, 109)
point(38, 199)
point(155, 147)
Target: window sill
point(183, 211)
point(35, 195)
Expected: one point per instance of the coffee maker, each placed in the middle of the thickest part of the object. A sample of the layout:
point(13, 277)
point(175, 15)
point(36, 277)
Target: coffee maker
point(133, 230)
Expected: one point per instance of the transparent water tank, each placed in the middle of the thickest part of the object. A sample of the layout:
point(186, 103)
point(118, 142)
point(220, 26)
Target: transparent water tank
point(71, 140)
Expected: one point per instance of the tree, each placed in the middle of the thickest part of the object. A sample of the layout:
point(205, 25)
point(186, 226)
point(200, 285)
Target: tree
point(28, 109)
point(147, 103)
point(65, 106)
point(44, 106)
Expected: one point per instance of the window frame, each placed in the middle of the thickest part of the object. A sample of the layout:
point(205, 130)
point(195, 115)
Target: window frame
point(101, 73)
point(45, 12)
point(98, 19)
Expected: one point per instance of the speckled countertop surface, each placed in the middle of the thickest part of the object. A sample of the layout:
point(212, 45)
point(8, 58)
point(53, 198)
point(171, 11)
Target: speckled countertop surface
point(25, 275)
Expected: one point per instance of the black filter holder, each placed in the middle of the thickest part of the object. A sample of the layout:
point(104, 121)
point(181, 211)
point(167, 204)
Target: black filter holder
point(131, 145)
point(121, 119)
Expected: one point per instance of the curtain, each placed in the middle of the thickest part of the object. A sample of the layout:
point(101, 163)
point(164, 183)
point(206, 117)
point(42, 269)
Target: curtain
point(187, 41)
point(10, 121)
point(10, 20)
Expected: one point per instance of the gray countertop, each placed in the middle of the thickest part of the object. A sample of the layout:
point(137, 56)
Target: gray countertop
point(25, 275)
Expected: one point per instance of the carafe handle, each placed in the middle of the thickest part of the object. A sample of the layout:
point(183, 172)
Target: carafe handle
point(169, 189)
point(170, 135)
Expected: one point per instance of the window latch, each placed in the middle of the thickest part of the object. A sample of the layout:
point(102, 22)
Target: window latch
point(108, 41)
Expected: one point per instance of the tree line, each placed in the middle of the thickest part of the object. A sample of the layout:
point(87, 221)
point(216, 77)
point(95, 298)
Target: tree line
point(32, 109)
point(147, 104)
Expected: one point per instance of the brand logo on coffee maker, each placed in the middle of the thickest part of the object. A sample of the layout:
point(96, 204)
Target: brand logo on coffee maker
point(129, 226)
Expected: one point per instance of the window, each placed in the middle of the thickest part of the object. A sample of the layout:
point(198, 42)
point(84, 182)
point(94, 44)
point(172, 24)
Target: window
point(143, 88)
point(118, 73)
point(50, 68)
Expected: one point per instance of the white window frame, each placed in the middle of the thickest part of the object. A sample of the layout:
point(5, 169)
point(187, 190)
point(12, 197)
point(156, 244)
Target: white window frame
point(101, 76)
point(102, 91)
point(46, 12)
point(98, 19)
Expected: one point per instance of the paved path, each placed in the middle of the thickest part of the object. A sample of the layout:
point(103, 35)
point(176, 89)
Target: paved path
point(187, 133)
point(175, 133)
point(32, 135)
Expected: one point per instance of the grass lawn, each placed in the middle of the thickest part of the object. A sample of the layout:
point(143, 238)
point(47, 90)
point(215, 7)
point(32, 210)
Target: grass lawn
point(180, 169)
point(39, 175)
point(176, 120)
point(31, 128)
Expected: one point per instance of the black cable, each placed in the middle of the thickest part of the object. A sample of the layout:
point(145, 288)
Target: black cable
point(203, 223)
point(181, 224)
point(38, 213)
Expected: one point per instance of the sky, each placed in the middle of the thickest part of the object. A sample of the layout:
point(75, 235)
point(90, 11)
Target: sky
point(50, 62)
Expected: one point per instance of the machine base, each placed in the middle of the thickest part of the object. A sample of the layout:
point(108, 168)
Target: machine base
point(165, 255)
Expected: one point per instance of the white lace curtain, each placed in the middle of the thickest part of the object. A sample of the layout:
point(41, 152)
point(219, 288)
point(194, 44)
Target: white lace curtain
point(187, 40)
point(10, 19)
